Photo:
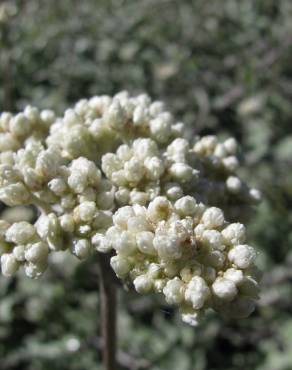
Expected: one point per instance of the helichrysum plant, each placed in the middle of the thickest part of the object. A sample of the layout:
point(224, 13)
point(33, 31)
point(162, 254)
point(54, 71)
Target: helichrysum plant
point(119, 175)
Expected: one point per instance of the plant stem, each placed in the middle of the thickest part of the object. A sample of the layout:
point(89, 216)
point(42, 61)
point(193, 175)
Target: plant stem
point(108, 314)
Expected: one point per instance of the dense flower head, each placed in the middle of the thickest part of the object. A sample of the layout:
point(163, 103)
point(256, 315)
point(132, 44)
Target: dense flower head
point(120, 174)
point(186, 251)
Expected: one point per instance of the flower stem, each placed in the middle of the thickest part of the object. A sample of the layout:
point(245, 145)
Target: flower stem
point(108, 314)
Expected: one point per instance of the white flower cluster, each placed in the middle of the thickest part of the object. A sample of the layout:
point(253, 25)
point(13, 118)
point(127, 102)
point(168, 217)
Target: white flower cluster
point(73, 198)
point(116, 173)
point(29, 125)
point(220, 183)
point(141, 171)
point(21, 244)
point(188, 252)
point(96, 126)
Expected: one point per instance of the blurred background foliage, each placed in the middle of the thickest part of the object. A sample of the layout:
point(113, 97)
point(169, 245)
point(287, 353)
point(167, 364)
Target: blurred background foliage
point(223, 67)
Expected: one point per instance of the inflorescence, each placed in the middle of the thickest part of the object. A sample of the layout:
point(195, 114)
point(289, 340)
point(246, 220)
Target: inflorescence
point(120, 175)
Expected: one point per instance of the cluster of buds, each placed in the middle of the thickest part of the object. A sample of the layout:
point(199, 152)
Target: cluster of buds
point(118, 174)
point(188, 252)
point(220, 183)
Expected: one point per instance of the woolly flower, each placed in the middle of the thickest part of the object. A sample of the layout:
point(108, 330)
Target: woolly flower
point(190, 272)
point(117, 174)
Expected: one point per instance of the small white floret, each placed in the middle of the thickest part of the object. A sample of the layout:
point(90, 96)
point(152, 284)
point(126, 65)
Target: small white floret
point(234, 234)
point(143, 284)
point(182, 172)
point(144, 241)
point(224, 289)
point(81, 248)
point(242, 255)
point(213, 217)
point(20, 232)
point(101, 243)
point(122, 215)
point(120, 265)
point(174, 291)
point(186, 206)
point(197, 292)
point(9, 264)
